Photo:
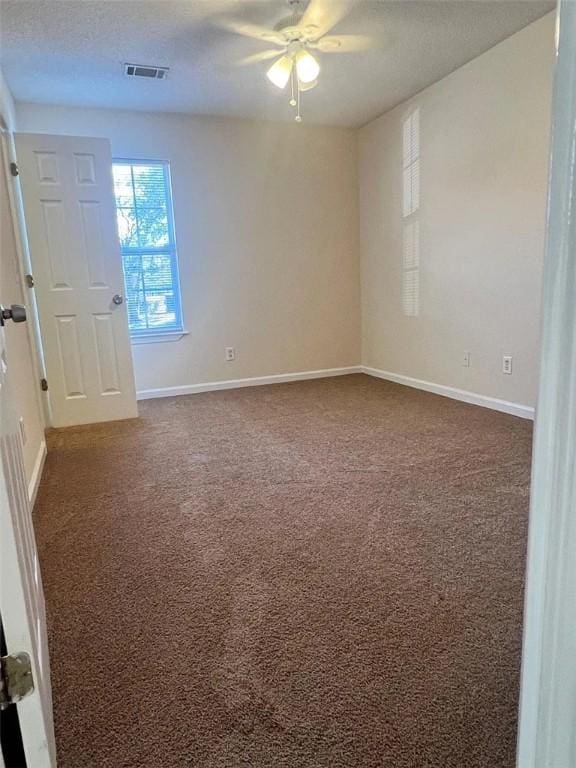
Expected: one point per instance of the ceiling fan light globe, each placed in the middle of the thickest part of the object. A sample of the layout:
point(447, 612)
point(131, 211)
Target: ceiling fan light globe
point(307, 67)
point(279, 72)
point(307, 86)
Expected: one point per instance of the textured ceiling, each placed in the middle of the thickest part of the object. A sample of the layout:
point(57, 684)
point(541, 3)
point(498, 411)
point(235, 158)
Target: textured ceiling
point(71, 52)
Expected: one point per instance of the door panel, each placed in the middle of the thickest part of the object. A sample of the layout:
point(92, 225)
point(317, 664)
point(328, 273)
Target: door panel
point(107, 356)
point(70, 358)
point(71, 223)
point(93, 245)
point(85, 168)
point(53, 218)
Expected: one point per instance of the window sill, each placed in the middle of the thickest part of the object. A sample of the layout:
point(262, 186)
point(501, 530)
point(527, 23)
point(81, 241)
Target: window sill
point(155, 338)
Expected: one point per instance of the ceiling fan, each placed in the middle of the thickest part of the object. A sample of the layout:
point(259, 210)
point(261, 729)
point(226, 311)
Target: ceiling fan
point(300, 37)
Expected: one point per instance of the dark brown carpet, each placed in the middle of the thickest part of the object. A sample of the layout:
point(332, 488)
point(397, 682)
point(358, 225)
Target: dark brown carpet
point(326, 573)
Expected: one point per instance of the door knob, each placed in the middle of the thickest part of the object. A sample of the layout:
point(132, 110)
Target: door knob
point(117, 299)
point(16, 313)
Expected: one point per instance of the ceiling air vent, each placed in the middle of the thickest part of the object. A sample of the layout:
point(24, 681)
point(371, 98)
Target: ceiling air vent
point(140, 70)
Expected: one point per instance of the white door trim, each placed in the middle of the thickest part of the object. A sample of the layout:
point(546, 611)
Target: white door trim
point(36, 476)
point(547, 731)
point(24, 268)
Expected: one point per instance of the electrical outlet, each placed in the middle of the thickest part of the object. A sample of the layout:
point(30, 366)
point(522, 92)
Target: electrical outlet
point(507, 364)
point(230, 353)
point(466, 360)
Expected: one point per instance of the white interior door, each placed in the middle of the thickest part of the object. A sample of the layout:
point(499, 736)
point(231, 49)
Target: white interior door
point(21, 595)
point(71, 224)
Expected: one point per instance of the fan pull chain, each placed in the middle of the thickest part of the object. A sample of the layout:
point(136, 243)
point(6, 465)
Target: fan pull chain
point(298, 117)
point(292, 80)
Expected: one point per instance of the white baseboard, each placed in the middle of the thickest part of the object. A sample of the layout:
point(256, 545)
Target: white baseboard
point(523, 411)
point(213, 386)
point(37, 473)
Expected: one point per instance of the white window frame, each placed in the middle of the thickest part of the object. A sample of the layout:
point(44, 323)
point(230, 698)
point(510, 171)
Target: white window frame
point(172, 333)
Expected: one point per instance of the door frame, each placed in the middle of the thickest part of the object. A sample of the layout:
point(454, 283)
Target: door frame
point(546, 737)
point(8, 149)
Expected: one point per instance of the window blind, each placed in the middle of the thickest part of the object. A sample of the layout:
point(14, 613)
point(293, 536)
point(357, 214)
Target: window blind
point(411, 163)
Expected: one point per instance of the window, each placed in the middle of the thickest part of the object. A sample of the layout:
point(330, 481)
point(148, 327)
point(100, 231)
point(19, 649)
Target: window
point(146, 232)
point(411, 163)
point(411, 269)
point(410, 214)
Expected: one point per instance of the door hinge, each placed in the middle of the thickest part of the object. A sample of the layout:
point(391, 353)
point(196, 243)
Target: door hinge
point(14, 169)
point(44, 385)
point(29, 280)
point(16, 680)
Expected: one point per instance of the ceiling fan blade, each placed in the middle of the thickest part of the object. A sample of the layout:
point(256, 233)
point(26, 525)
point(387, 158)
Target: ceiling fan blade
point(250, 30)
point(256, 58)
point(323, 15)
point(343, 43)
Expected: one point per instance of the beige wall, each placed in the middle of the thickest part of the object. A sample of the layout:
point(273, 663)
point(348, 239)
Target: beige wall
point(24, 382)
point(266, 228)
point(484, 134)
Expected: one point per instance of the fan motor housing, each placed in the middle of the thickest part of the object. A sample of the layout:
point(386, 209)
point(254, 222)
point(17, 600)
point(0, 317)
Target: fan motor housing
point(288, 27)
point(291, 31)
